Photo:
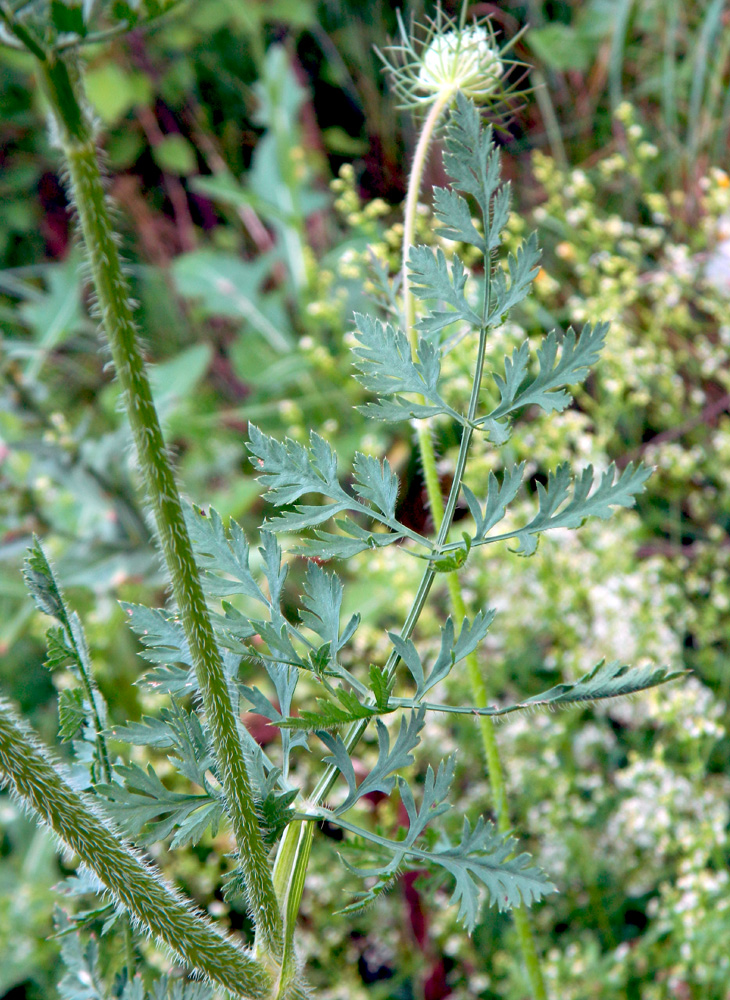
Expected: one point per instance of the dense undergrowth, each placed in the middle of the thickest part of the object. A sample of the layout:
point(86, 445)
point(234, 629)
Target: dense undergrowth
point(245, 310)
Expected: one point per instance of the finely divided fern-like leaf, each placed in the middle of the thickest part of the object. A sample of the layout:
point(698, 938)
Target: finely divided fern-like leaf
point(331, 715)
point(322, 601)
point(381, 686)
point(218, 551)
point(41, 583)
point(612, 491)
point(604, 681)
point(143, 803)
point(284, 679)
point(376, 483)
point(274, 570)
point(546, 390)
point(143, 798)
point(470, 157)
point(499, 496)
point(522, 270)
point(83, 979)
point(430, 279)
point(383, 357)
point(380, 779)
point(452, 650)
point(290, 470)
point(435, 789)
point(161, 634)
point(481, 858)
point(454, 214)
point(328, 545)
point(72, 712)
point(148, 732)
point(484, 856)
point(82, 708)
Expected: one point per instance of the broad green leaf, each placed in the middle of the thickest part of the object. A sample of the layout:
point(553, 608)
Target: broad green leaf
point(174, 154)
point(226, 285)
point(114, 91)
point(174, 381)
point(67, 17)
point(55, 314)
point(561, 47)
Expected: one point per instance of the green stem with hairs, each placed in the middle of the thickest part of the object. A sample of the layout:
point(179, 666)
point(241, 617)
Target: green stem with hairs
point(136, 885)
point(61, 82)
point(442, 519)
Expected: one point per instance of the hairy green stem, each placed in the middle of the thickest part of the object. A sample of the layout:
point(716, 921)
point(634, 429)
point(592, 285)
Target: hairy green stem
point(443, 517)
point(139, 888)
point(61, 82)
point(420, 156)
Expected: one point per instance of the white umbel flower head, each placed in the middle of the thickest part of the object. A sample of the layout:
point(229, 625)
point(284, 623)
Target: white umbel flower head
point(465, 60)
point(444, 57)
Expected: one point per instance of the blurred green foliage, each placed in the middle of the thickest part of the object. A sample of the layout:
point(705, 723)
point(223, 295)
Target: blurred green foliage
point(224, 125)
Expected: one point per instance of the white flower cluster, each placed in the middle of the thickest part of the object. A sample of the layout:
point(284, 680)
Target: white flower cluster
point(461, 60)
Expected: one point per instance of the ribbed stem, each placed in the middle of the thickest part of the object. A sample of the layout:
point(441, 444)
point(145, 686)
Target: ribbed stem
point(173, 921)
point(436, 504)
point(290, 870)
point(77, 141)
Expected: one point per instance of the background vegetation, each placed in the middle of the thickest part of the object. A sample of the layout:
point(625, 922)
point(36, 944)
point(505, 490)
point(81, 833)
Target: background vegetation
point(255, 153)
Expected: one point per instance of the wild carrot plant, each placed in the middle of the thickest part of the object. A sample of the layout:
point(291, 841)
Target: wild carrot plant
point(214, 661)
